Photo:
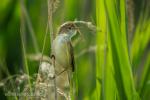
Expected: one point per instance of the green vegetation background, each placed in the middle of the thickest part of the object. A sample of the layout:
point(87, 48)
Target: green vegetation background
point(95, 81)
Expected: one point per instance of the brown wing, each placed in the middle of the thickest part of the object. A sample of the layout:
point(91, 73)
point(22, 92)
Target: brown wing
point(72, 57)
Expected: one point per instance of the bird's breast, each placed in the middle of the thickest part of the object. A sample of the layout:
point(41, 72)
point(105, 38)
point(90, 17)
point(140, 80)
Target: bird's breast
point(61, 50)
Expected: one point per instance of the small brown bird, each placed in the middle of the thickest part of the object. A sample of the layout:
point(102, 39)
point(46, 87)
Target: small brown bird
point(62, 47)
point(64, 56)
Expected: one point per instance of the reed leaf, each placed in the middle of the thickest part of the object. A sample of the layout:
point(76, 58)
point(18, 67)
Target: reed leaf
point(120, 56)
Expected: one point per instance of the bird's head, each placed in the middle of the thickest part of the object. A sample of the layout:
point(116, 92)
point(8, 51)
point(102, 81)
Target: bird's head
point(68, 28)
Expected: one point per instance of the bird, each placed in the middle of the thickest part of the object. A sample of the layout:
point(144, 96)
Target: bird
point(62, 50)
point(62, 46)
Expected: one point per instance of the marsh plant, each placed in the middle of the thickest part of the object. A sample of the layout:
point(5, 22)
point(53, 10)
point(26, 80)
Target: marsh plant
point(75, 50)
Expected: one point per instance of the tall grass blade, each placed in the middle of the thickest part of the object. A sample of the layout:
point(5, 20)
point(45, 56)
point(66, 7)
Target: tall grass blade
point(22, 34)
point(30, 27)
point(101, 45)
point(140, 40)
point(120, 56)
point(144, 87)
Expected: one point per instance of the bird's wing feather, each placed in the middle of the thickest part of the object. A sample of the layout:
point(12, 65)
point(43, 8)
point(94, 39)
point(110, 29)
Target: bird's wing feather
point(72, 57)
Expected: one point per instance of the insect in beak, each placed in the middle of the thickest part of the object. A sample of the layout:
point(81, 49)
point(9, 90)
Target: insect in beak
point(78, 31)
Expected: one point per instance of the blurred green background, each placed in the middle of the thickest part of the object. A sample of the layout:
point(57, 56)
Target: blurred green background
point(35, 21)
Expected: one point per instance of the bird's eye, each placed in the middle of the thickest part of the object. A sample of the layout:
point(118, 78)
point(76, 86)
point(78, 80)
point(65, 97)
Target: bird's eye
point(69, 28)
